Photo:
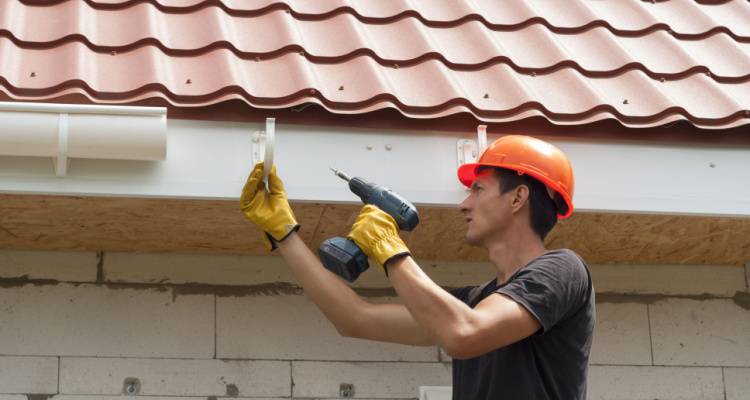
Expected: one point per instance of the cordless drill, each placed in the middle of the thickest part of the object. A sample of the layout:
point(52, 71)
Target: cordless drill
point(342, 256)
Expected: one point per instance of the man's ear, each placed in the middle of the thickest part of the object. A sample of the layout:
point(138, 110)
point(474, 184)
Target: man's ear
point(520, 197)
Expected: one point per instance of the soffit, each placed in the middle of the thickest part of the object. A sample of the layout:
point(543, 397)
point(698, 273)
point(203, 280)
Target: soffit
point(34, 222)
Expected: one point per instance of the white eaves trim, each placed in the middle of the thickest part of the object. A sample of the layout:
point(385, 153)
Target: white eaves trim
point(210, 160)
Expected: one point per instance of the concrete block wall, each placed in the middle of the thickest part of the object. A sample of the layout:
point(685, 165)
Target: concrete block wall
point(180, 326)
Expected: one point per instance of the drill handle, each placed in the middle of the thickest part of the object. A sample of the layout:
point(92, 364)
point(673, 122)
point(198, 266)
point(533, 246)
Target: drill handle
point(399, 208)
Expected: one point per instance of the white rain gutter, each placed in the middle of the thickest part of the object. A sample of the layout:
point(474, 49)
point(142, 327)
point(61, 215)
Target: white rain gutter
point(64, 131)
point(211, 160)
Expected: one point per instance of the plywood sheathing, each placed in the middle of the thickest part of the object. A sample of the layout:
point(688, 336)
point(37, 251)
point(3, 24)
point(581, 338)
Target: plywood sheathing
point(167, 225)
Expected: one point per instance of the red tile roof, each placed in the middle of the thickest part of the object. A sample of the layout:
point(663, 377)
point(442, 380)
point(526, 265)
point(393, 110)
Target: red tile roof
point(572, 62)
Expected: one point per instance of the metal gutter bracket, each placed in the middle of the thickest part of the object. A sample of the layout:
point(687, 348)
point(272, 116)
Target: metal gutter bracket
point(262, 147)
point(468, 151)
point(61, 162)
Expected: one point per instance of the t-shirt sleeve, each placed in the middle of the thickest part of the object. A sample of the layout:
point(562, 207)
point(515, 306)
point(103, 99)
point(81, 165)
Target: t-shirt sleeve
point(461, 293)
point(553, 287)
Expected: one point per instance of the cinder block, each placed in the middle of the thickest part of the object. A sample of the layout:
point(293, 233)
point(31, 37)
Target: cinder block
point(84, 319)
point(700, 332)
point(717, 280)
point(374, 380)
point(172, 377)
point(14, 397)
point(436, 392)
point(737, 383)
point(621, 335)
point(56, 265)
point(120, 397)
point(36, 375)
point(443, 356)
point(195, 268)
point(291, 327)
point(254, 270)
point(444, 273)
point(94, 397)
point(649, 383)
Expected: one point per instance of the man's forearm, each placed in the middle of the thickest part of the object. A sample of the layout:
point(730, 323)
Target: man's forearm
point(338, 302)
point(439, 313)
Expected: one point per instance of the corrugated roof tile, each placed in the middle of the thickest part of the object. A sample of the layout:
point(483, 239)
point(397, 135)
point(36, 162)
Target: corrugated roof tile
point(642, 63)
point(682, 16)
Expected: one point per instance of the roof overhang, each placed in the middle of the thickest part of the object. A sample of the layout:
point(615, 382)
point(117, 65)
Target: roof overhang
point(636, 202)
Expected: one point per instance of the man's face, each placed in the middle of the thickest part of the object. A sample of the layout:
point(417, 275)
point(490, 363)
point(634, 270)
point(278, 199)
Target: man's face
point(487, 212)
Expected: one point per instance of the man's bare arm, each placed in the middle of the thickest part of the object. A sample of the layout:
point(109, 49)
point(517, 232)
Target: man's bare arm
point(268, 209)
point(350, 314)
point(461, 331)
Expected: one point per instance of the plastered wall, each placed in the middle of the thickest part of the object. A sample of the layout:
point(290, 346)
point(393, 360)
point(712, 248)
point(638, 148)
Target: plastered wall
point(80, 325)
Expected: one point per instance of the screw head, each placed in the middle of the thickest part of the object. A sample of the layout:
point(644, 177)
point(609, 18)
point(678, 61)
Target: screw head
point(388, 147)
point(131, 386)
point(369, 147)
point(346, 390)
point(188, 81)
point(32, 74)
point(486, 95)
point(625, 101)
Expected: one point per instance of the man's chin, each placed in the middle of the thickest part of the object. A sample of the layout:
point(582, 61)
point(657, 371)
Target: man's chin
point(472, 241)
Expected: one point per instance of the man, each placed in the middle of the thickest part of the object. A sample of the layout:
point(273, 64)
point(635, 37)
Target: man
point(524, 335)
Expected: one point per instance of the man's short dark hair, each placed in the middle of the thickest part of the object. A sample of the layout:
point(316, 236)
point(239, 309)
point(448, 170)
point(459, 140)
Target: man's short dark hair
point(542, 209)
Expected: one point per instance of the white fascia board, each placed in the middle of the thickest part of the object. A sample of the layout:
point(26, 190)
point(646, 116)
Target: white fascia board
point(211, 160)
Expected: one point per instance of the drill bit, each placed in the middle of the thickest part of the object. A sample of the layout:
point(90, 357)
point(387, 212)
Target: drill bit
point(341, 175)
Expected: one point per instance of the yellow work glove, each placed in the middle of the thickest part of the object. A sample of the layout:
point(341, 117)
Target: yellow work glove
point(376, 233)
point(268, 209)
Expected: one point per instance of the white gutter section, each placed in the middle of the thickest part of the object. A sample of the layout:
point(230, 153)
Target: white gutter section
point(63, 131)
point(211, 160)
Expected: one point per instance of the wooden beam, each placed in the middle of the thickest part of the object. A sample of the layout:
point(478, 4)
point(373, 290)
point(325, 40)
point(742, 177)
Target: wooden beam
point(36, 222)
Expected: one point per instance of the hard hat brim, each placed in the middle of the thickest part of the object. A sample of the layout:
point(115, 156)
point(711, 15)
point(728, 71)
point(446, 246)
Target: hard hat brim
point(467, 173)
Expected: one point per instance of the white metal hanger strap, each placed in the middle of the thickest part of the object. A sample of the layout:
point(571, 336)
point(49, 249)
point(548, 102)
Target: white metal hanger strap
point(61, 165)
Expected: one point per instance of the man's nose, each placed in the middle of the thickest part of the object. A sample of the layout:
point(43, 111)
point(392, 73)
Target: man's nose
point(464, 205)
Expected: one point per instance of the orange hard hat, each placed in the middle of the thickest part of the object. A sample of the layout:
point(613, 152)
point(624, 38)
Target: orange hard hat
point(528, 155)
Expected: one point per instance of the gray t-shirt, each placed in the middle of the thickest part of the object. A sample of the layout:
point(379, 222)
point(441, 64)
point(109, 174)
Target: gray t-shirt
point(557, 290)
